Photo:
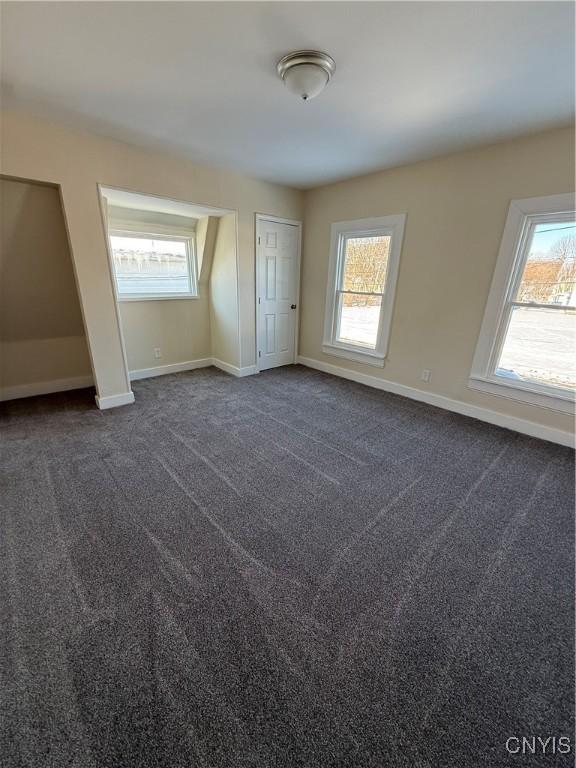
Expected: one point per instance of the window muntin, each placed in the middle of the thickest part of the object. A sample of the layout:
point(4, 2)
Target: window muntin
point(153, 266)
point(527, 345)
point(364, 261)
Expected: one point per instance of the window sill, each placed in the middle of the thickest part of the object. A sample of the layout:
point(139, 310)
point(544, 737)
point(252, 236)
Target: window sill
point(160, 298)
point(561, 403)
point(357, 355)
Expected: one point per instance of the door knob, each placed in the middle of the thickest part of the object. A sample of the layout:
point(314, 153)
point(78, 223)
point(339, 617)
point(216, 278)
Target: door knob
point(292, 306)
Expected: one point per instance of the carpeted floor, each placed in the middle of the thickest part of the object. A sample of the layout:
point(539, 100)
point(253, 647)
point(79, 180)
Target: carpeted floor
point(284, 570)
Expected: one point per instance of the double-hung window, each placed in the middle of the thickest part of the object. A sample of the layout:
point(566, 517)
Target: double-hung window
point(154, 266)
point(527, 344)
point(364, 262)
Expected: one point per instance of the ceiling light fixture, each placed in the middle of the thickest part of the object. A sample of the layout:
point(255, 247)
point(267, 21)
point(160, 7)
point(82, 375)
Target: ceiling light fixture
point(306, 73)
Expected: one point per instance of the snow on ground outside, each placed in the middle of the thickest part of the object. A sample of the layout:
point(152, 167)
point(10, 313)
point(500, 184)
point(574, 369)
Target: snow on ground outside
point(535, 350)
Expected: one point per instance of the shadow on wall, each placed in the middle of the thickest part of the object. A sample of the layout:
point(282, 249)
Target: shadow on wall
point(43, 344)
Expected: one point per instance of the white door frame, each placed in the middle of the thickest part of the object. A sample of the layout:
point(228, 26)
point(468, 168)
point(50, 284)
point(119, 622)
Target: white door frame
point(295, 223)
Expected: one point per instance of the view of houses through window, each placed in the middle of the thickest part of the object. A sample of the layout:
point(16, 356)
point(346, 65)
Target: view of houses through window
point(147, 265)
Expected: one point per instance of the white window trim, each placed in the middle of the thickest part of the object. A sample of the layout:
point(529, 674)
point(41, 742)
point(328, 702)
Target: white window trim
point(384, 225)
point(507, 273)
point(126, 229)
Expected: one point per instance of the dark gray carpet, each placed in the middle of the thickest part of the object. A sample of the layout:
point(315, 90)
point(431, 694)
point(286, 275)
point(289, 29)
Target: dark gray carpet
point(285, 570)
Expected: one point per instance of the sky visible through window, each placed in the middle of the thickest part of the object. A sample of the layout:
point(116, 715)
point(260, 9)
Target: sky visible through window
point(547, 235)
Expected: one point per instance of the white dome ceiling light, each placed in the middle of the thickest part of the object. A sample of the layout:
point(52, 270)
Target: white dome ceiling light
point(306, 73)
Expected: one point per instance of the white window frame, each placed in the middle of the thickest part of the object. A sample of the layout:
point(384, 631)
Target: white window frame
point(159, 233)
point(392, 226)
point(523, 216)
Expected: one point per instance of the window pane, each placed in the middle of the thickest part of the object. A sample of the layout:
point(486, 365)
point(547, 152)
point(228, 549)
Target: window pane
point(550, 272)
point(540, 347)
point(359, 317)
point(365, 263)
point(148, 266)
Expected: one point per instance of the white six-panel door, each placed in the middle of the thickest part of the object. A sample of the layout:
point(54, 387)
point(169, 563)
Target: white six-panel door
point(277, 247)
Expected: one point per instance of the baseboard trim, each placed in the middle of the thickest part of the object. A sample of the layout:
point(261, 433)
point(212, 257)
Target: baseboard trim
point(113, 401)
point(162, 370)
point(248, 370)
point(45, 387)
point(457, 406)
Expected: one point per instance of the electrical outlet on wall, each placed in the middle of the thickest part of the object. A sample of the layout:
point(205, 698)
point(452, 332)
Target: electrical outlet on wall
point(425, 375)
point(157, 353)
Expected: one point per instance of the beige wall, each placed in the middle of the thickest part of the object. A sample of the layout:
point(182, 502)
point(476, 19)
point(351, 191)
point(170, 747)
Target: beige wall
point(224, 294)
point(206, 233)
point(456, 209)
point(41, 331)
point(178, 327)
point(45, 151)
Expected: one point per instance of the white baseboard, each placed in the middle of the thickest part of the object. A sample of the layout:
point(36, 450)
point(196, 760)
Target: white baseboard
point(113, 401)
point(457, 406)
point(162, 370)
point(45, 387)
point(248, 370)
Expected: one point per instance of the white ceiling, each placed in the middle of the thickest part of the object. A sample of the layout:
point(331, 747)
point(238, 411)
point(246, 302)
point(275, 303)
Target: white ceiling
point(154, 204)
point(413, 79)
